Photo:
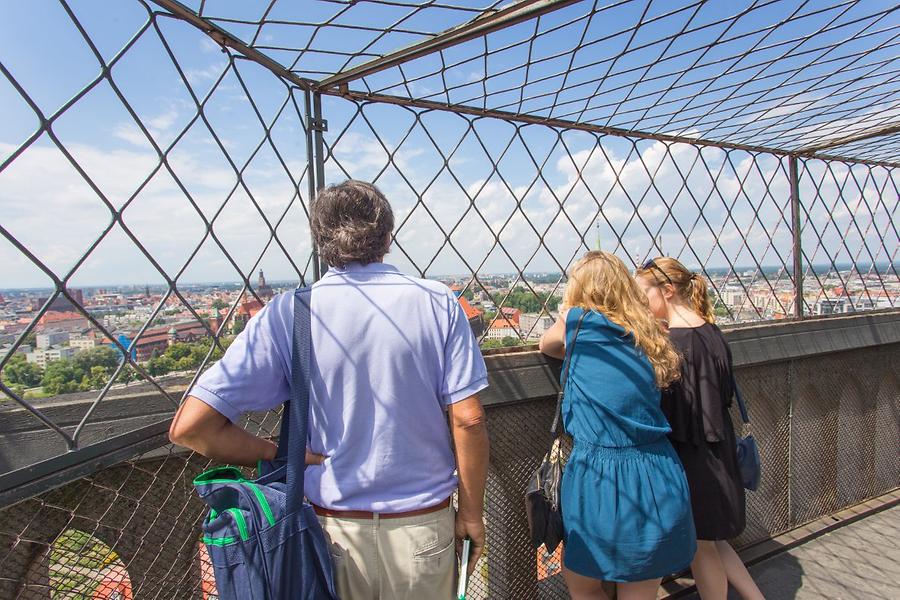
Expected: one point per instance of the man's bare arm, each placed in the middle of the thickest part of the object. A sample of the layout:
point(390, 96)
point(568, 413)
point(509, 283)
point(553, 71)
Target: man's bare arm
point(467, 424)
point(203, 429)
point(553, 342)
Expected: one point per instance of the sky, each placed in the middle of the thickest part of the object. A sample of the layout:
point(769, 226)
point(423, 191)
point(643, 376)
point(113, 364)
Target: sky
point(451, 178)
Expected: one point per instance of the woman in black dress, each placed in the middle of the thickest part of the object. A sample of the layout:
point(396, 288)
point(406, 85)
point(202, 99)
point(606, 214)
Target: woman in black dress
point(702, 433)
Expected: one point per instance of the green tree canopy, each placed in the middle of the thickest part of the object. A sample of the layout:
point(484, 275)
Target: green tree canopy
point(529, 302)
point(62, 377)
point(100, 356)
point(18, 371)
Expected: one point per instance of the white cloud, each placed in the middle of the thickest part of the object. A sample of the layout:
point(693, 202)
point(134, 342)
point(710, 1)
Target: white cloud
point(49, 207)
point(40, 183)
point(209, 73)
point(130, 133)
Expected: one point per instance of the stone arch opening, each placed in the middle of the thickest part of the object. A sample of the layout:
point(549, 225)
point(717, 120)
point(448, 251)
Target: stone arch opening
point(79, 565)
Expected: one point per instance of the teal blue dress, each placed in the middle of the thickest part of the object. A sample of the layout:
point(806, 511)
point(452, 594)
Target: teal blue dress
point(625, 500)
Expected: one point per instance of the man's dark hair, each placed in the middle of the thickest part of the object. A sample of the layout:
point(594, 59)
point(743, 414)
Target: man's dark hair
point(351, 222)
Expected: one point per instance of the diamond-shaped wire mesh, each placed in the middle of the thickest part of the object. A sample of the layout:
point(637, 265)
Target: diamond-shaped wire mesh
point(478, 195)
point(775, 74)
point(181, 198)
point(850, 229)
point(510, 138)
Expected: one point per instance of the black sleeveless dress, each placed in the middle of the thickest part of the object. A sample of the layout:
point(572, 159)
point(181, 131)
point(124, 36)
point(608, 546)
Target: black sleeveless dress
point(702, 432)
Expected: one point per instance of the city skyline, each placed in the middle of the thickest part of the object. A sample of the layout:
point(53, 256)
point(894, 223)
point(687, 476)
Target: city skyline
point(821, 268)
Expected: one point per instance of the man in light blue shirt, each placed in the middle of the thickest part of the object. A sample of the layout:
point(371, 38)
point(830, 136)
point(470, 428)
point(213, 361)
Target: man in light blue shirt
point(390, 354)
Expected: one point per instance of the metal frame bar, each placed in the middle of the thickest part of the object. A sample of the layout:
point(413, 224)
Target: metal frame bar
point(518, 12)
point(886, 130)
point(317, 158)
point(52, 473)
point(225, 39)
point(480, 27)
point(312, 175)
point(797, 234)
point(601, 129)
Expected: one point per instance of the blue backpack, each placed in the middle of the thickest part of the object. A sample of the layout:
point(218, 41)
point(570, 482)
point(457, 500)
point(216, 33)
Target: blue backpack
point(263, 538)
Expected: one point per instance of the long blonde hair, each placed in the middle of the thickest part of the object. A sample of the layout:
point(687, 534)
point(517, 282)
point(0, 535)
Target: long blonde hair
point(691, 287)
point(600, 281)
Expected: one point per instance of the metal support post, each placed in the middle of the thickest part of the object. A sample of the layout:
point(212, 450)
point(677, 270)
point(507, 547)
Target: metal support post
point(318, 126)
point(311, 180)
point(794, 174)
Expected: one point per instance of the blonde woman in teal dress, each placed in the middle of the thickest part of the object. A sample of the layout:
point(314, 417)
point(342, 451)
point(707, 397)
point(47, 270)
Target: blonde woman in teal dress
point(625, 504)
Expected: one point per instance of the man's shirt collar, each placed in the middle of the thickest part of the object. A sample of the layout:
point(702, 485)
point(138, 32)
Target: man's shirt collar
point(355, 267)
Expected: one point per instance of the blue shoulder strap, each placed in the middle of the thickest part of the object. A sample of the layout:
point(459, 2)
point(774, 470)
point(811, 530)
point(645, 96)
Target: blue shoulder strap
point(740, 400)
point(295, 418)
point(565, 373)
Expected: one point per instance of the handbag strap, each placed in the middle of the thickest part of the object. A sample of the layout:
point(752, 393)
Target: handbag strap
point(295, 417)
point(565, 375)
point(740, 400)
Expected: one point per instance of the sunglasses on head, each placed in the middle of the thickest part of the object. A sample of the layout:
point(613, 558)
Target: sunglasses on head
point(651, 264)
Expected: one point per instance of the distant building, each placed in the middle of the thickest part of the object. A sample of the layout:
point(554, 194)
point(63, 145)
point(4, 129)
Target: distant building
point(263, 290)
point(215, 321)
point(158, 339)
point(501, 328)
point(22, 349)
point(82, 343)
point(512, 314)
point(52, 338)
point(863, 303)
point(473, 316)
point(250, 307)
point(734, 296)
point(42, 357)
point(63, 304)
point(534, 326)
point(62, 321)
point(830, 306)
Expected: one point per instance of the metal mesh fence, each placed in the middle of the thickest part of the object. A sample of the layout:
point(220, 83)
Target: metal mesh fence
point(213, 187)
point(135, 525)
point(182, 198)
point(157, 156)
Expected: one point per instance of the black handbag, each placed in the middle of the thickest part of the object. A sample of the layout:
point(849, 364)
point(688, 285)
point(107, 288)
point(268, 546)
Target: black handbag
point(542, 496)
point(748, 460)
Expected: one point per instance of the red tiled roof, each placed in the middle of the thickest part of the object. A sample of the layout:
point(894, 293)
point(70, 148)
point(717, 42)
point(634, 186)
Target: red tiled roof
point(501, 323)
point(152, 339)
point(55, 316)
point(471, 311)
point(250, 307)
point(511, 313)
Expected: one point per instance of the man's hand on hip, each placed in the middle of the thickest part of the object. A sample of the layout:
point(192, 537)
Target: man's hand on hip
point(314, 459)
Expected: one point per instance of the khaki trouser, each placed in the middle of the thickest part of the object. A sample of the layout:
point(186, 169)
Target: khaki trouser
point(406, 558)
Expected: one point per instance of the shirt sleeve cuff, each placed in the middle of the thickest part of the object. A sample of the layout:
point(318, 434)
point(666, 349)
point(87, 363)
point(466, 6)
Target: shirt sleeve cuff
point(215, 402)
point(463, 393)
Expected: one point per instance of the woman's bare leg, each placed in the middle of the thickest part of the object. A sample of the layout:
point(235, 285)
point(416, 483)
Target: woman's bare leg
point(638, 590)
point(737, 572)
point(709, 572)
point(584, 588)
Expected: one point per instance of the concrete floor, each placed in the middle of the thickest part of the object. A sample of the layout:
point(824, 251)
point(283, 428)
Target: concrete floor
point(858, 561)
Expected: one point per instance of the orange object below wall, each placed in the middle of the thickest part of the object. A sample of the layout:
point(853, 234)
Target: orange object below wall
point(115, 585)
point(207, 577)
point(549, 564)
